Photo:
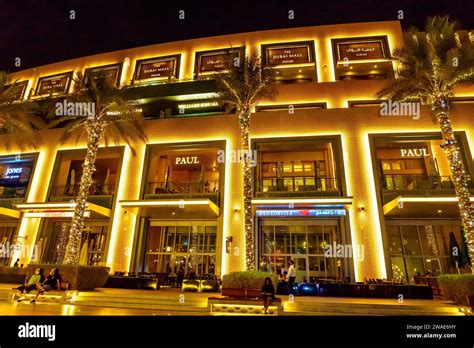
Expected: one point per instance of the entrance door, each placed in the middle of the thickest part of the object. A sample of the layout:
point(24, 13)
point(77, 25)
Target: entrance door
point(301, 266)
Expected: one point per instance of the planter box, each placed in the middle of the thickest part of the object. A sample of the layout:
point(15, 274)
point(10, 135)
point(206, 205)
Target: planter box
point(80, 277)
point(12, 275)
point(241, 293)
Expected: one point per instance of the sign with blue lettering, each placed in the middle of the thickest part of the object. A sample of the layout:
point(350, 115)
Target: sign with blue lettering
point(301, 213)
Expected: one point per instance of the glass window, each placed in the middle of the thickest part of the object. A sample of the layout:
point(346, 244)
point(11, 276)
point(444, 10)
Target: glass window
point(288, 184)
point(394, 240)
point(315, 233)
point(414, 266)
point(287, 167)
point(410, 240)
point(182, 239)
point(298, 167)
point(267, 241)
point(282, 240)
point(298, 239)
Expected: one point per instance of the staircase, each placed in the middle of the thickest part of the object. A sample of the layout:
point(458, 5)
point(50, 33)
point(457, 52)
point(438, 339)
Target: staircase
point(151, 300)
point(372, 308)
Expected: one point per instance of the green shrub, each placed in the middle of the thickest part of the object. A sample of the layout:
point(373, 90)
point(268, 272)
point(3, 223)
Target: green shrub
point(457, 286)
point(247, 279)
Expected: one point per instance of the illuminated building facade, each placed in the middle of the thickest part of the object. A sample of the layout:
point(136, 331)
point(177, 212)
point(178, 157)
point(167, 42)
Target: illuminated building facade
point(331, 169)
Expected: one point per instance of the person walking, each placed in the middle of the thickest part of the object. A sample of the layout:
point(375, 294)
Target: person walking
point(291, 275)
point(268, 294)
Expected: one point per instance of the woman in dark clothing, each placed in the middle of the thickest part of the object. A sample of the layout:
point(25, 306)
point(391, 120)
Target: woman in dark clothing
point(268, 293)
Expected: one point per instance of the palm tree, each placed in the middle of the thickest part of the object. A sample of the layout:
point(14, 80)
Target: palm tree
point(110, 118)
point(432, 64)
point(19, 121)
point(241, 88)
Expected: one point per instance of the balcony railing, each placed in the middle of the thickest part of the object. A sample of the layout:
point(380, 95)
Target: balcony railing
point(321, 187)
point(183, 189)
point(100, 194)
point(394, 185)
point(396, 182)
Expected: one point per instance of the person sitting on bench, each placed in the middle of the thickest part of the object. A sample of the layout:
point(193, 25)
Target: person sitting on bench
point(268, 294)
point(33, 284)
point(52, 282)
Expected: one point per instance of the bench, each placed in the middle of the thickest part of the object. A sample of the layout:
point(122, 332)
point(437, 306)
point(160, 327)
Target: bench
point(63, 295)
point(242, 305)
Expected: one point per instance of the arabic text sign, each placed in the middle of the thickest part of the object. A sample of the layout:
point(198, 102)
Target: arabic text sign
point(217, 62)
point(361, 50)
point(301, 213)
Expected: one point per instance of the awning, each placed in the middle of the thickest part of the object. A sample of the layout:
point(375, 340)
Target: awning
point(195, 208)
point(9, 214)
point(422, 207)
point(60, 210)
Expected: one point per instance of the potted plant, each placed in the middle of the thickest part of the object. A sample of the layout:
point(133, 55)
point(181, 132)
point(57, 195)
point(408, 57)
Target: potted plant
point(245, 284)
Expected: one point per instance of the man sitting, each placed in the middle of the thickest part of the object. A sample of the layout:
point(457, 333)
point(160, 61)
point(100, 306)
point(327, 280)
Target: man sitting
point(52, 282)
point(33, 284)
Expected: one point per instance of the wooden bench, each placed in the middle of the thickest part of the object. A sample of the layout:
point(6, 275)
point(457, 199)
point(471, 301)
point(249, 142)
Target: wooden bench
point(237, 305)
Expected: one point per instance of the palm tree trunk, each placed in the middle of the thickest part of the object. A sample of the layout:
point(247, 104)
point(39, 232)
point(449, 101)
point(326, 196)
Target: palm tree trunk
point(244, 122)
point(458, 173)
point(73, 247)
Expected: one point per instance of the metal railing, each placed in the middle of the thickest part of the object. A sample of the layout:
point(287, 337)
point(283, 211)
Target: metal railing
point(183, 187)
point(12, 192)
point(398, 182)
point(73, 190)
point(321, 187)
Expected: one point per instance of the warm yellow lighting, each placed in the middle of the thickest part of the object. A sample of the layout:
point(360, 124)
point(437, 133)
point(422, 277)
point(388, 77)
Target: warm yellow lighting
point(116, 223)
point(165, 202)
point(303, 201)
point(53, 214)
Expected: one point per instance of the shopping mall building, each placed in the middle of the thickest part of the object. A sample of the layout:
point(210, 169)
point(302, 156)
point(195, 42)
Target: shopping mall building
point(330, 168)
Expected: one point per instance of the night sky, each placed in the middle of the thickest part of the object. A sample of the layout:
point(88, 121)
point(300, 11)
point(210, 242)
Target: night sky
point(40, 32)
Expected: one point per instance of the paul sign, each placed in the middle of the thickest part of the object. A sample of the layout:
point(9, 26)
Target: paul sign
point(414, 152)
point(187, 160)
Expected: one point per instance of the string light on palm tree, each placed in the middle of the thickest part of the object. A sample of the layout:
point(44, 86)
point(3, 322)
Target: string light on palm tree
point(244, 84)
point(114, 120)
point(431, 65)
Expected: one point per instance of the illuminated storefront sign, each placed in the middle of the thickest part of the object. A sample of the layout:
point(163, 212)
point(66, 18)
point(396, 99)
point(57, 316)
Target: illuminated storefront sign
point(54, 84)
point(110, 73)
point(414, 152)
point(157, 68)
point(19, 89)
point(358, 50)
point(288, 55)
point(301, 213)
point(12, 173)
point(214, 61)
point(53, 214)
point(198, 105)
point(187, 160)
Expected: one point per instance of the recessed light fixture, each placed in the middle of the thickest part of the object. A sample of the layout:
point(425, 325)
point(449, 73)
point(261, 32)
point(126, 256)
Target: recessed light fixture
point(440, 211)
point(299, 70)
point(173, 213)
point(350, 67)
point(375, 65)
